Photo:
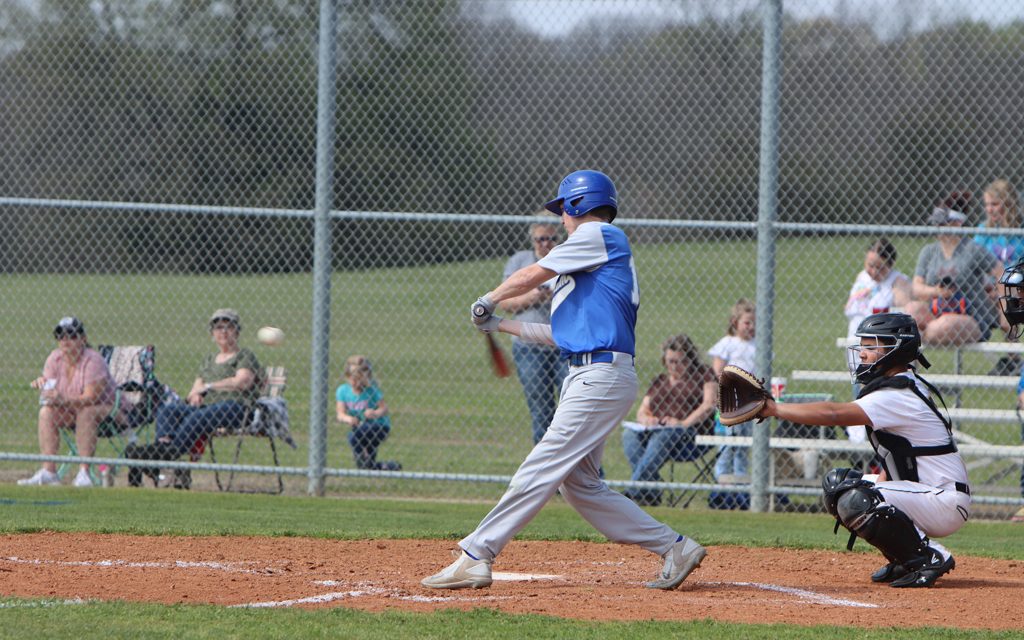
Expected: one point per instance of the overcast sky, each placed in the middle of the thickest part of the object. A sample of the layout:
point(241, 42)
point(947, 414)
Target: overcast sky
point(556, 18)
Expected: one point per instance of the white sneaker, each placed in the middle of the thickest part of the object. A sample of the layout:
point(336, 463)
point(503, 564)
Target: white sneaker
point(464, 573)
point(684, 556)
point(82, 479)
point(40, 478)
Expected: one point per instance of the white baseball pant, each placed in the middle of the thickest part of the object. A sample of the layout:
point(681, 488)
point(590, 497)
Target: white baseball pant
point(594, 400)
point(936, 512)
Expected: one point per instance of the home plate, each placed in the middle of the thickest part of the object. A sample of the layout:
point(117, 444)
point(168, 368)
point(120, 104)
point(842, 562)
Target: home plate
point(523, 577)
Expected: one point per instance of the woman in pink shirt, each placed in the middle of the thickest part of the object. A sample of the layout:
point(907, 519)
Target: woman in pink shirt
point(75, 391)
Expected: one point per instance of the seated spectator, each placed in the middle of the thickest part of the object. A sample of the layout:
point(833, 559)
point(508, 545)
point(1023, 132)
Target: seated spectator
point(360, 404)
point(677, 407)
point(1002, 211)
point(878, 287)
point(222, 394)
point(738, 349)
point(958, 261)
point(77, 392)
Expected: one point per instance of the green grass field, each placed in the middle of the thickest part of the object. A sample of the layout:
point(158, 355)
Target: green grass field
point(166, 513)
point(450, 413)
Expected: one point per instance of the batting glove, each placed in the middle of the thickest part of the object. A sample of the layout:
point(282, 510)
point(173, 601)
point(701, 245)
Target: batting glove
point(490, 325)
point(481, 310)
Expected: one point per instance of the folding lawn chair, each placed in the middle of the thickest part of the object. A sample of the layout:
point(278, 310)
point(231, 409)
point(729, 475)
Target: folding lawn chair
point(703, 459)
point(268, 419)
point(132, 369)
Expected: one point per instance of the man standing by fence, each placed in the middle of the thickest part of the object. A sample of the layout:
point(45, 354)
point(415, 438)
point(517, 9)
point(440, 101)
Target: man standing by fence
point(539, 366)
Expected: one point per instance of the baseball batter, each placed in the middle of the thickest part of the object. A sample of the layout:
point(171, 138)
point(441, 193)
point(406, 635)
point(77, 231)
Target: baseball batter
point(593, 317)
point(923, 490)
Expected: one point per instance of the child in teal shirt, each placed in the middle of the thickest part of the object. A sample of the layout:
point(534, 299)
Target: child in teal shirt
point(360, 404)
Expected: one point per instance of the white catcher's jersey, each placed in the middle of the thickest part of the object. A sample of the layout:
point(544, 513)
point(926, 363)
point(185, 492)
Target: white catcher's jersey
point(591, 313)
point(901, 412)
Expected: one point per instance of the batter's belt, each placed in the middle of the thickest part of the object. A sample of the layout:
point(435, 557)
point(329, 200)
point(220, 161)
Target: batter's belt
point(583, 359)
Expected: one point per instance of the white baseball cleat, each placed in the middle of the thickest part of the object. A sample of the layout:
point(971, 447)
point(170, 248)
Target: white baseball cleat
point(464, 573)
point(41, 477)
point(684, 556)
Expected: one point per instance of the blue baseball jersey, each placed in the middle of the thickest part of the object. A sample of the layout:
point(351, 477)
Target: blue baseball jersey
point(596, 296)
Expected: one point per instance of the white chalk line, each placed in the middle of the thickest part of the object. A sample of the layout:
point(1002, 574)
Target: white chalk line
point(803, 594)
point(42, 603)
point(363, 592)
point(177, 564)
point(496, 575)
point(317, 599)
point(394, 593)
point(523, 577)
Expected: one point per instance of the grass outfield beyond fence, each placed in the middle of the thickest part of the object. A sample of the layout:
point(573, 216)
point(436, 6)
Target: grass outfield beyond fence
point(164, 513)
point(450, 414)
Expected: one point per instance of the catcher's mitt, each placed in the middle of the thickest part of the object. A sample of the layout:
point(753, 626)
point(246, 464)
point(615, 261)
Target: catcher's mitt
point(741, 396)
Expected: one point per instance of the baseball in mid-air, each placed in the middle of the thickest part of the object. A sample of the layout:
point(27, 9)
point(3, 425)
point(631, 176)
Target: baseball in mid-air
point(270, 336)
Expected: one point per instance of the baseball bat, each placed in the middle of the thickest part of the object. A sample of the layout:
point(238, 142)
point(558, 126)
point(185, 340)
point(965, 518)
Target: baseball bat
point(498, 359)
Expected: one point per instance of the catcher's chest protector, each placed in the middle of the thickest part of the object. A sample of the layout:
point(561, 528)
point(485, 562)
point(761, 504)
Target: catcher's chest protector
point(898, 454)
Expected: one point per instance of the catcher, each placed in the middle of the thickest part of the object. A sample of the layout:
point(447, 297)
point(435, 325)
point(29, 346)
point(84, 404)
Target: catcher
point(922, 491)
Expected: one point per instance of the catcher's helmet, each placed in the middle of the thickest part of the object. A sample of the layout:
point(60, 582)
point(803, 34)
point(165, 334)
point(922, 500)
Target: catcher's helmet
point(583, 191)
point(897, 333)
point(1012, 300)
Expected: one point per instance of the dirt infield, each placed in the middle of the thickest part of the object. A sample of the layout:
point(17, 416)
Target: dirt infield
point(565, 579)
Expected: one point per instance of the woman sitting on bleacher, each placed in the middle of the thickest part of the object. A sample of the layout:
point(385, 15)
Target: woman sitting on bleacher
point(221, 396)
point(954, 260)
point(878, 288)
point(677, 407)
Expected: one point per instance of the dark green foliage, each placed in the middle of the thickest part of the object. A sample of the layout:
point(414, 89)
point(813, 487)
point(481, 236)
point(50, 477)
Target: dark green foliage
point(439, 109)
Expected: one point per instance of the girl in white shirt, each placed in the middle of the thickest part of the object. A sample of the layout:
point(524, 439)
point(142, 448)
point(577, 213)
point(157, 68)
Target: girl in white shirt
point(879, 288)
point(736, 348)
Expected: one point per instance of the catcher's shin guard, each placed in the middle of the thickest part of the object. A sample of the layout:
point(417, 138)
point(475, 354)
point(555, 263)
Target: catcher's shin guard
point(864, 512)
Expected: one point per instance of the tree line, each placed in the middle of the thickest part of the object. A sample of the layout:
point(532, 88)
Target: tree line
point(214, 103)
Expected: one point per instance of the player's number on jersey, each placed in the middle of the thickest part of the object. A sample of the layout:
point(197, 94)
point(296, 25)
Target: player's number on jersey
point(636, 283)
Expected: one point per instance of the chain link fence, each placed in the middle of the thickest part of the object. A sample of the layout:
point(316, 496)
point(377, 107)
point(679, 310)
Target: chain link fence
point(160, 162)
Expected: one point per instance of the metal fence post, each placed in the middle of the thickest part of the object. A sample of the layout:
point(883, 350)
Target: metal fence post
point(768, 183)
point(322, 249)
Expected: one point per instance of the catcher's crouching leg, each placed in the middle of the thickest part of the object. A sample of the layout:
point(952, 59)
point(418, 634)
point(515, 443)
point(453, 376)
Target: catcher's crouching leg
point(912, 562)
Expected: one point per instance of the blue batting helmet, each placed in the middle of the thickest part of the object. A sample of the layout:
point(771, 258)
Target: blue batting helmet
point(583, 191)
